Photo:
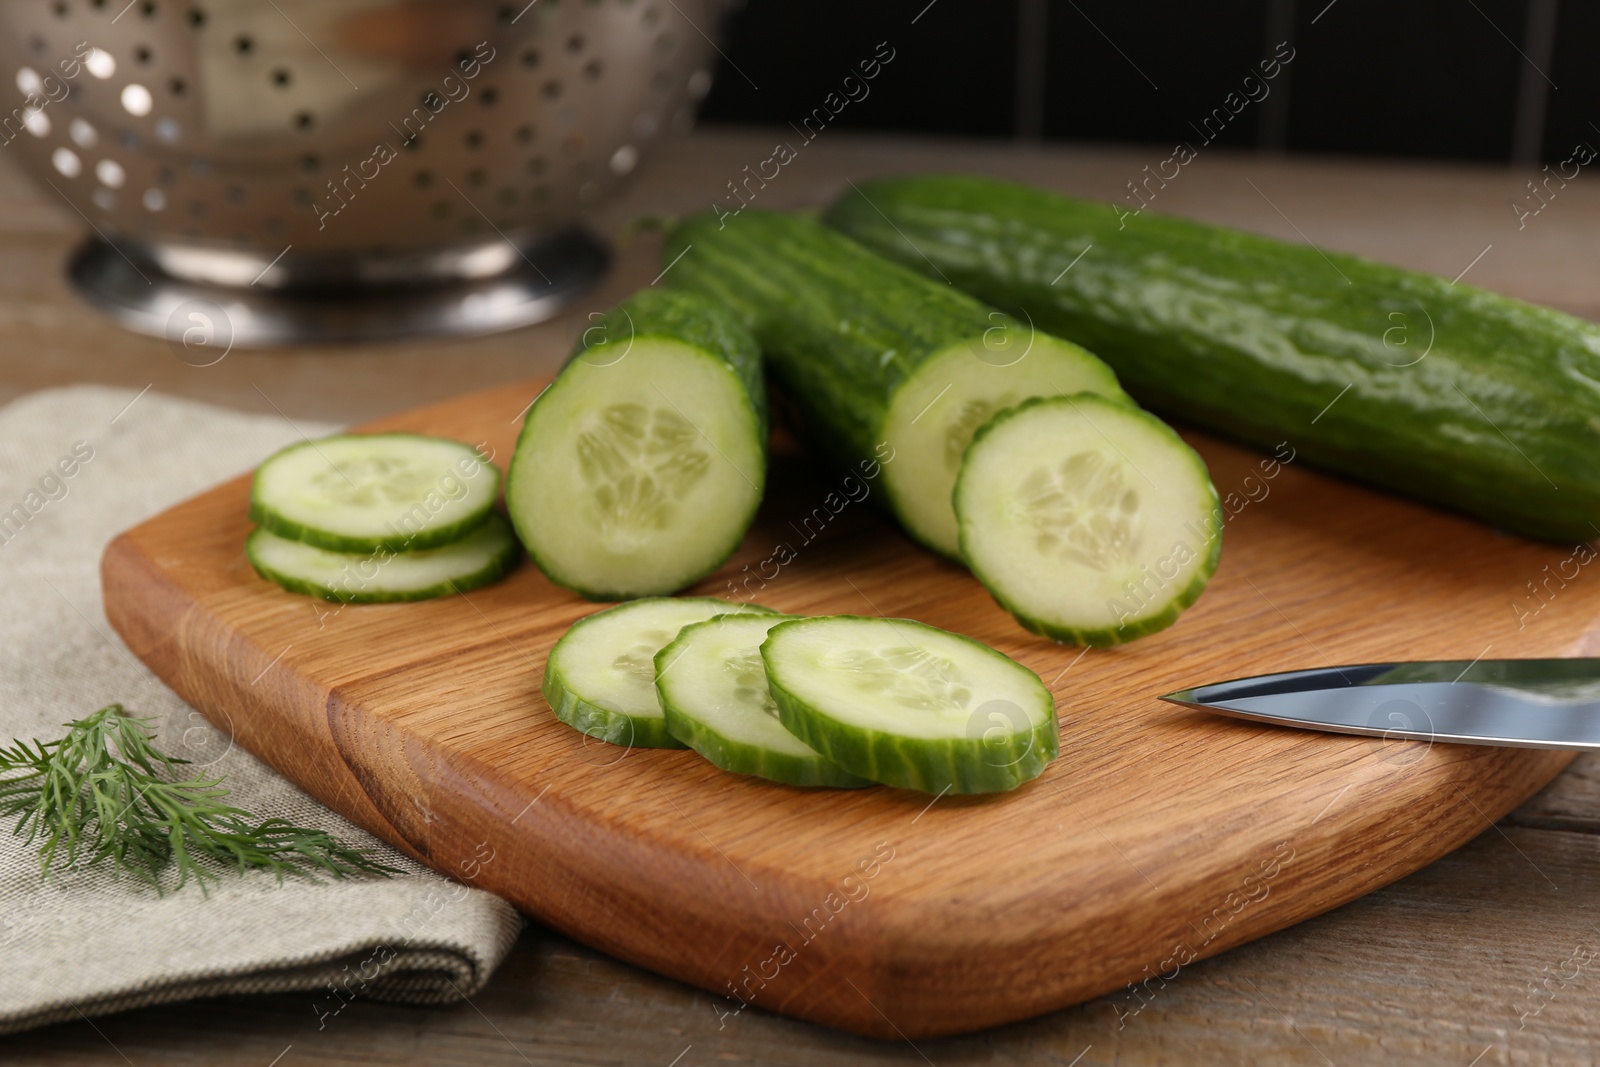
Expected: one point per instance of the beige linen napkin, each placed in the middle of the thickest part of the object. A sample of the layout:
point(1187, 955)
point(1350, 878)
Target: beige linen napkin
point(77, 466)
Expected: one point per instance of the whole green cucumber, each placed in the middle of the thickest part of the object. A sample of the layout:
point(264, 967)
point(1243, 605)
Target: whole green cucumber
point(1437, 390)
point(879, 366)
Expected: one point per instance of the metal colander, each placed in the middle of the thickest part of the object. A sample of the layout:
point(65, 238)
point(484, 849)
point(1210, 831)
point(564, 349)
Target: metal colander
point(335, 169)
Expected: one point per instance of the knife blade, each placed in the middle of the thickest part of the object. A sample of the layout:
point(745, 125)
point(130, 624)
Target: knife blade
point(1519, 703)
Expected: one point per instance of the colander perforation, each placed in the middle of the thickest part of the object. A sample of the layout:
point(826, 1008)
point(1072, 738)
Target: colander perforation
point(228, 121)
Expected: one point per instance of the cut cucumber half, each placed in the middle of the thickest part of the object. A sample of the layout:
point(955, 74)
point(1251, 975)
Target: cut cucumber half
point(601, 676)
point(878, 367)
point(1091, 522)
point(383, 576)
point(359, 492)
point(910, 705)
point(713, 691)
point(639, 470)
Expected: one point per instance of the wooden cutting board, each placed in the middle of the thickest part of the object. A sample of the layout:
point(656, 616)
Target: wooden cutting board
point(1160, 836)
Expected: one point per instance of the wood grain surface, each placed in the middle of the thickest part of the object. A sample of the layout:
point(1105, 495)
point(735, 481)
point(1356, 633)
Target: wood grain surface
point(1160, 837)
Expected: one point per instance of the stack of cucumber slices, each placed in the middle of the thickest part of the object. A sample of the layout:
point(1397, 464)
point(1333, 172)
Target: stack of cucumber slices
point(372, 518)
point(832, 701)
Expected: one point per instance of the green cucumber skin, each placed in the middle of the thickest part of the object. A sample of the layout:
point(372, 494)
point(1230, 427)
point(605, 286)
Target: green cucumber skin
point(496, 570)
point(842, 328)
point(954, 766)
point(773, 766)
point(600, 723)
point(1254, 338)
point(1129, 631)
point(687, 318)
point(262, 515)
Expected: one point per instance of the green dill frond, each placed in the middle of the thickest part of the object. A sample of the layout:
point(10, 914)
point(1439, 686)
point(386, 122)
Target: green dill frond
point(104, 792)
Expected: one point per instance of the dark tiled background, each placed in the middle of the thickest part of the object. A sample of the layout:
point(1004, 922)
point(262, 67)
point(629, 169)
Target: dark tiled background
point(1511, 80)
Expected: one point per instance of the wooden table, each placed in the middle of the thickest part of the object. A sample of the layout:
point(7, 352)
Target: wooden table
point(1487, 957)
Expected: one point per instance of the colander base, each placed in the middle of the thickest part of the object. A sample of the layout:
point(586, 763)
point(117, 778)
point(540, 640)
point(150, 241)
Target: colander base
point(204, 321)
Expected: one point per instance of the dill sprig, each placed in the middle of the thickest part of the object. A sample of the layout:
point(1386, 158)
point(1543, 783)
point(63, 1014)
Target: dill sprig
point(105, 792)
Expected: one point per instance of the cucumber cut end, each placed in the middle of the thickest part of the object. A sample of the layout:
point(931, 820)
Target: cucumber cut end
point(638, 476)
point(910, 705)
point(1092, 522)
point(600, 677)
point(934, 415)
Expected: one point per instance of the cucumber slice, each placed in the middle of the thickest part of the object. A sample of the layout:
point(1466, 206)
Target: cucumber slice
point(381, 576)
point(713, 690)
point(360, 492)
point(934, 414)
point(639, 470)
point(601, 676)
point(910, 705)
point(1092, 523)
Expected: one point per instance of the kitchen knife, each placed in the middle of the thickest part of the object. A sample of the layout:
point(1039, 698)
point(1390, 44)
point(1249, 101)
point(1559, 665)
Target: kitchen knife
point(1521, 703)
